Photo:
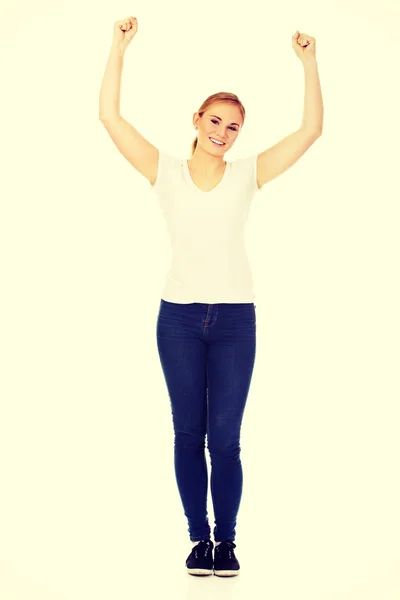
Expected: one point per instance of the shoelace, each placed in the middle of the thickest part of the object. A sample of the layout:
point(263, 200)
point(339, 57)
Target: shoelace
point(226, 547)
point(200, 546)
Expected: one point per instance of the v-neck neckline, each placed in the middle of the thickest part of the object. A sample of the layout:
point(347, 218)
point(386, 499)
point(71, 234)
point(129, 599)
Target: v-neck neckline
point(189, 179)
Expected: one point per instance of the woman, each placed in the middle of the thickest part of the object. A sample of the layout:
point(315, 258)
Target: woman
point(206, 327)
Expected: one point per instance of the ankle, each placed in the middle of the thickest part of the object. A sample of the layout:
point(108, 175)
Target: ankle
point(198, 541)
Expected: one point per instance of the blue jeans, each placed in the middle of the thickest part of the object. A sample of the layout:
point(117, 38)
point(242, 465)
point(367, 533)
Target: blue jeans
point(207, 353)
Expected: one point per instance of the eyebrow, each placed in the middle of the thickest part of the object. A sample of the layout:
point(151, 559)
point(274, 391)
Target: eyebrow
point(221, 120)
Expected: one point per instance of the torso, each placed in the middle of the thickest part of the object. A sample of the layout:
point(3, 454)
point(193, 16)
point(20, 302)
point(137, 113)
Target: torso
point(206, 183)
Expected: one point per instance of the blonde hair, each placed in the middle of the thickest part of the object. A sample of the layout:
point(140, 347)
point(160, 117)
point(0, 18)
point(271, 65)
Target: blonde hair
point(219, 97)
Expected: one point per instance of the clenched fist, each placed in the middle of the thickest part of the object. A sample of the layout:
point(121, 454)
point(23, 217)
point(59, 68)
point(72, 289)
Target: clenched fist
point(124, 32)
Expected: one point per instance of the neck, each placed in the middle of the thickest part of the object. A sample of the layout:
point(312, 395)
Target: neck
point(205, 161)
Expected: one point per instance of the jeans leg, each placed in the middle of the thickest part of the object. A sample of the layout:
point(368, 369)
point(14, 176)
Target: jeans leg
point(230, 363)
point(183, 358)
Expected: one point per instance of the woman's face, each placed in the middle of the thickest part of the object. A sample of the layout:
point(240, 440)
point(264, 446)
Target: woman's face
point(221, 122)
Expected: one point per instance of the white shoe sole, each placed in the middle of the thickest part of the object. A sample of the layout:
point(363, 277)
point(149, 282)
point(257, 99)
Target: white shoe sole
point(200, 571)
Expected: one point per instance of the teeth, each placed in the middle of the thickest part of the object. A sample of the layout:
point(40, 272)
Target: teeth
point(217, 142)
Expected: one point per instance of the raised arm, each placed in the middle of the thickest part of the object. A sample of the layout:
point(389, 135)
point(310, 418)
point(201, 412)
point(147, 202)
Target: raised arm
point(133, 146)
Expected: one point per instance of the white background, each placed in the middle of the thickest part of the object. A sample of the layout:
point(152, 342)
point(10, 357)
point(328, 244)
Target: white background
point(89, 505)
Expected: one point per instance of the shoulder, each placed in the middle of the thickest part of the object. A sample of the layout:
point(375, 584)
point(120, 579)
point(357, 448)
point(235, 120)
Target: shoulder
point(167, 165)
point(247, 167)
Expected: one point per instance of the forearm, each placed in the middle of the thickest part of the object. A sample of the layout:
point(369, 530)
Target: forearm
point(313, 115)
point(109, 105)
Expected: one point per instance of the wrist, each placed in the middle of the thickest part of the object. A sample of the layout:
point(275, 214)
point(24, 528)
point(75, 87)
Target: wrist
point(309, 60)
point(117, 50)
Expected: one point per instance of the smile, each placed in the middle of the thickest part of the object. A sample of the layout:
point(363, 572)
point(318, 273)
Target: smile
point(216, 142)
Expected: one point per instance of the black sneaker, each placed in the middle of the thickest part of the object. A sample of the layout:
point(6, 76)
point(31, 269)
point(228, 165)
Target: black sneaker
point(200, 560)
point(225, 562)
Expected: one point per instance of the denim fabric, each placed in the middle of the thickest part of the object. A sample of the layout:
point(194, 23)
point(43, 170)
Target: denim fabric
point(207, 353)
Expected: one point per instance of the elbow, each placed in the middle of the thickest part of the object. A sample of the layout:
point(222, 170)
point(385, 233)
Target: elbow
point(104, 118)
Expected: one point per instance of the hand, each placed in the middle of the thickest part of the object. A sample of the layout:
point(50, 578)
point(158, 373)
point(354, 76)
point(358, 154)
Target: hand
point(304, 46)
point(124, 32)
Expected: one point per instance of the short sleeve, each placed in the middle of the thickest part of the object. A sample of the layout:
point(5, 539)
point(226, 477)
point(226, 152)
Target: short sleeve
point(253, 172)
point(166, 164)
point(247, 167)
point(159, 170)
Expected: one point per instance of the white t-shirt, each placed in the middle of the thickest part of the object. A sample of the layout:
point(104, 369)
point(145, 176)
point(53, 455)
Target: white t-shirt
point(209, 260)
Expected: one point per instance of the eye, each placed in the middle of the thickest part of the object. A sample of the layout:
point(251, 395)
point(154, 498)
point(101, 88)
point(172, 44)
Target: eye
point(230, 127)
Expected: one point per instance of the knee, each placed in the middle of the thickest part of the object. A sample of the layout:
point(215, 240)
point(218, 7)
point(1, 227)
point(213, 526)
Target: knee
point(190, 440)
point(229, 452)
